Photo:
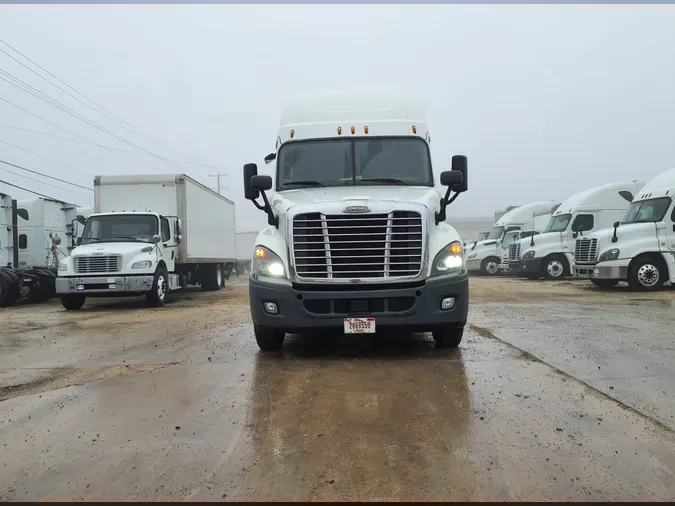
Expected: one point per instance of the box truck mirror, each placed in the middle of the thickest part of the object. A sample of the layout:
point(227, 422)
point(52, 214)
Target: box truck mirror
point(250, 170)
point(156, 238)
point(270, 158)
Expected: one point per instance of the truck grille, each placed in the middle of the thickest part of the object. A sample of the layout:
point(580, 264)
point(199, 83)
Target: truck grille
point(514, 252)
point(585, 251)
point(347, 246)
point(98, 264)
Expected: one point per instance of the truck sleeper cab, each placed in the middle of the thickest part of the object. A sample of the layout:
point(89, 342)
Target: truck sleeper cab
point(551, 254)
point(357, 239)
point(638, 249)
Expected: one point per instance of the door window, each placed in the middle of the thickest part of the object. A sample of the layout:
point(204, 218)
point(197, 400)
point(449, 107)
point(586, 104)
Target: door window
point(583, 223)
point(166, 230)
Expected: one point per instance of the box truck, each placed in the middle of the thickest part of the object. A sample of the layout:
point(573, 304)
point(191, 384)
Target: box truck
point(357, 238)
point(149, 234)
point(244, 248)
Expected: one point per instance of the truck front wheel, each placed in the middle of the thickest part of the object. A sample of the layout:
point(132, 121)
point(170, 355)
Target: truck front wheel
point(490, 266)
point(269, 340)
point(448, 336)
point(647, 274)
point(73, 302)
point(160, 287)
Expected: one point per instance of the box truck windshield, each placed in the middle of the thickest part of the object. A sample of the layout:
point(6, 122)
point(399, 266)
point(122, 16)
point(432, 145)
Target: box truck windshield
point(558, 223)
point(350, 162)
point(651, 210)
point(111, 228)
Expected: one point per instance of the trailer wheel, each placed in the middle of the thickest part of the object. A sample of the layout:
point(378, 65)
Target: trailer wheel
point(269, 340)
point(448, 336)
point(7, 290)
point(605, 284)
point(160, 287)
point(73, 301)
point(647, 274)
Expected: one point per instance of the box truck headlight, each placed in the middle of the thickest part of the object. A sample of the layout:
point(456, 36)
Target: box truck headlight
point(267, 263)
point(63, 267)
point(145, 264)
point(528, 254)
point(449, 260)
point(608, 255)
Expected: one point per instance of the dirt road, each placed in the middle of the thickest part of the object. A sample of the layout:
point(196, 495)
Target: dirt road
point(558, 391)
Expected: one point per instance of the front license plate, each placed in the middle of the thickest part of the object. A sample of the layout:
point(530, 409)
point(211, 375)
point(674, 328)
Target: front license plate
point(359, 325)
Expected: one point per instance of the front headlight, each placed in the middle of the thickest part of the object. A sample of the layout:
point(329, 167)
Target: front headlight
point(449, 261)
point(63, 267)
point(608, 255)
point(527, 255)
point(267, 263)
point(144, 264)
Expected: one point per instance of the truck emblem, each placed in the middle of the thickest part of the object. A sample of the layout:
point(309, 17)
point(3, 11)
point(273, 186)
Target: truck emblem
point(356, 209)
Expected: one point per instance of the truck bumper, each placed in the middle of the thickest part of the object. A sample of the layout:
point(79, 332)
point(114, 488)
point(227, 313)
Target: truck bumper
point(417, 308)
point(531, 266)
point(104, 284)
point(583, 271)
point(473, 265)
point(610, 270)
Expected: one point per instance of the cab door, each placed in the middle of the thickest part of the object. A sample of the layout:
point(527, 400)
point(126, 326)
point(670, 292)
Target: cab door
point(167, 244)
point(665, 232)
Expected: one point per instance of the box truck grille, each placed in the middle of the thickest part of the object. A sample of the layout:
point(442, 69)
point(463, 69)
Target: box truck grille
point(514, 252)
point(366, 246)
point(585, 251)
point(97, 264)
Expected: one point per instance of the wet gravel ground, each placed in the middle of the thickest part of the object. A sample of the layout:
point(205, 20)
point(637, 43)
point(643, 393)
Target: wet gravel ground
point(559, 391)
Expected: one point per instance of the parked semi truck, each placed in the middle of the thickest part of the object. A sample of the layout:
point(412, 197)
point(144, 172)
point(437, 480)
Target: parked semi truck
point(639, 248)
point(35, 234)
point(357, 238)
point(486, 256)
point(551, 254)
point(244, 248)
point(150, 234)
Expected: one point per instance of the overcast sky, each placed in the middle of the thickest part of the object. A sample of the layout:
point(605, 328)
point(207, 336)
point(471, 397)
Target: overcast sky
point(544, 100)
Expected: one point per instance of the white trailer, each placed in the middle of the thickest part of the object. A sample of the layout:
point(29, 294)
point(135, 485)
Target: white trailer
point(486, 256)
point(244, 248)
point(551, 254)
point(639, 248)
point(150, 234)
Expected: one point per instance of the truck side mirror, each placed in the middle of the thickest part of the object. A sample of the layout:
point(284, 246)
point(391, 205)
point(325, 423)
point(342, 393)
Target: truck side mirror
point(261, 183)
point(270, 158)
point(451, 178)
point(79, 241)
point(156, 238)
point(461, 164)
point(616, 224)
point(250, 170)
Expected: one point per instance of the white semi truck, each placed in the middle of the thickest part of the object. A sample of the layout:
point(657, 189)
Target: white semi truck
point(244, 248)
point(36, 234)
point(150, 234)
point(485, 257)
point(640, 247)
point(357, 235)
point(551, 254)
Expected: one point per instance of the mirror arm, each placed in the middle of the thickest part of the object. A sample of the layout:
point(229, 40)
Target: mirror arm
point(271, 219)
point(259, 206)
point(445, 202)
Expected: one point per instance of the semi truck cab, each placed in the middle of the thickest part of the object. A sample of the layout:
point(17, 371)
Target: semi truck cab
point(357, 239)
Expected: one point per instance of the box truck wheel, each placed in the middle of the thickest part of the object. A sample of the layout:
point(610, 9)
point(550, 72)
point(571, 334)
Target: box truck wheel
point(211, 277)
point(647, 273)
point(160, 287)
point(269, 340)
point(73, 301)
point(605, 283)
point(7, 290)
point(448, 336)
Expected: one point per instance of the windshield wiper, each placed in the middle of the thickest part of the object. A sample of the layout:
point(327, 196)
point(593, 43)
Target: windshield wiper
point(304, 183)
point(391, 180)
point(126, 238)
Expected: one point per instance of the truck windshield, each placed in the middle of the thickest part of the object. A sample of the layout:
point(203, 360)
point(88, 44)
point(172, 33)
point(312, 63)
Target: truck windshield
point(350, 162)
point(510, 237)
point(650, 210)
point(558, 223)
point(496, 233)
point(109, 228)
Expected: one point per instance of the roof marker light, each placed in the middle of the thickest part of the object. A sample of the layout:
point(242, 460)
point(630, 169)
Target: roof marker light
point(339, 130)
point(292, 133)
point(353, 129)
point(414, 129)
point(365, 129)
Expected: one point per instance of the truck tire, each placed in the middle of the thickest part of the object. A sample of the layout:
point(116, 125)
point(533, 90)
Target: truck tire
point(448, 336)
point(211, 277)
point(490, 266)
point(160, 288)
point(605, 284)
point(7, 290)
point(647, 274)
point(269, 339)
point(73, 301)
point(555, 267)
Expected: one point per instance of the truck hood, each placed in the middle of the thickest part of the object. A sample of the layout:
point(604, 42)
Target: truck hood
point(546, 239)
point(625, 230)
point(420, 194)
point(115, 248)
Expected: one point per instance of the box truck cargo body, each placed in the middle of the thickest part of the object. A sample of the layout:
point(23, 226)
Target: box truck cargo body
point(150, 234)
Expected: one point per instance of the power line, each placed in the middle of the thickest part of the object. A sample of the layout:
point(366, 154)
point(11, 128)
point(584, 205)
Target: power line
point(45, 175)
point(39, 182)
point(79, 93)
point(30, 191)
point(45, 158)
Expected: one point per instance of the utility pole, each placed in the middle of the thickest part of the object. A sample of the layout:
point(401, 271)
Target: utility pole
point(217, 176)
